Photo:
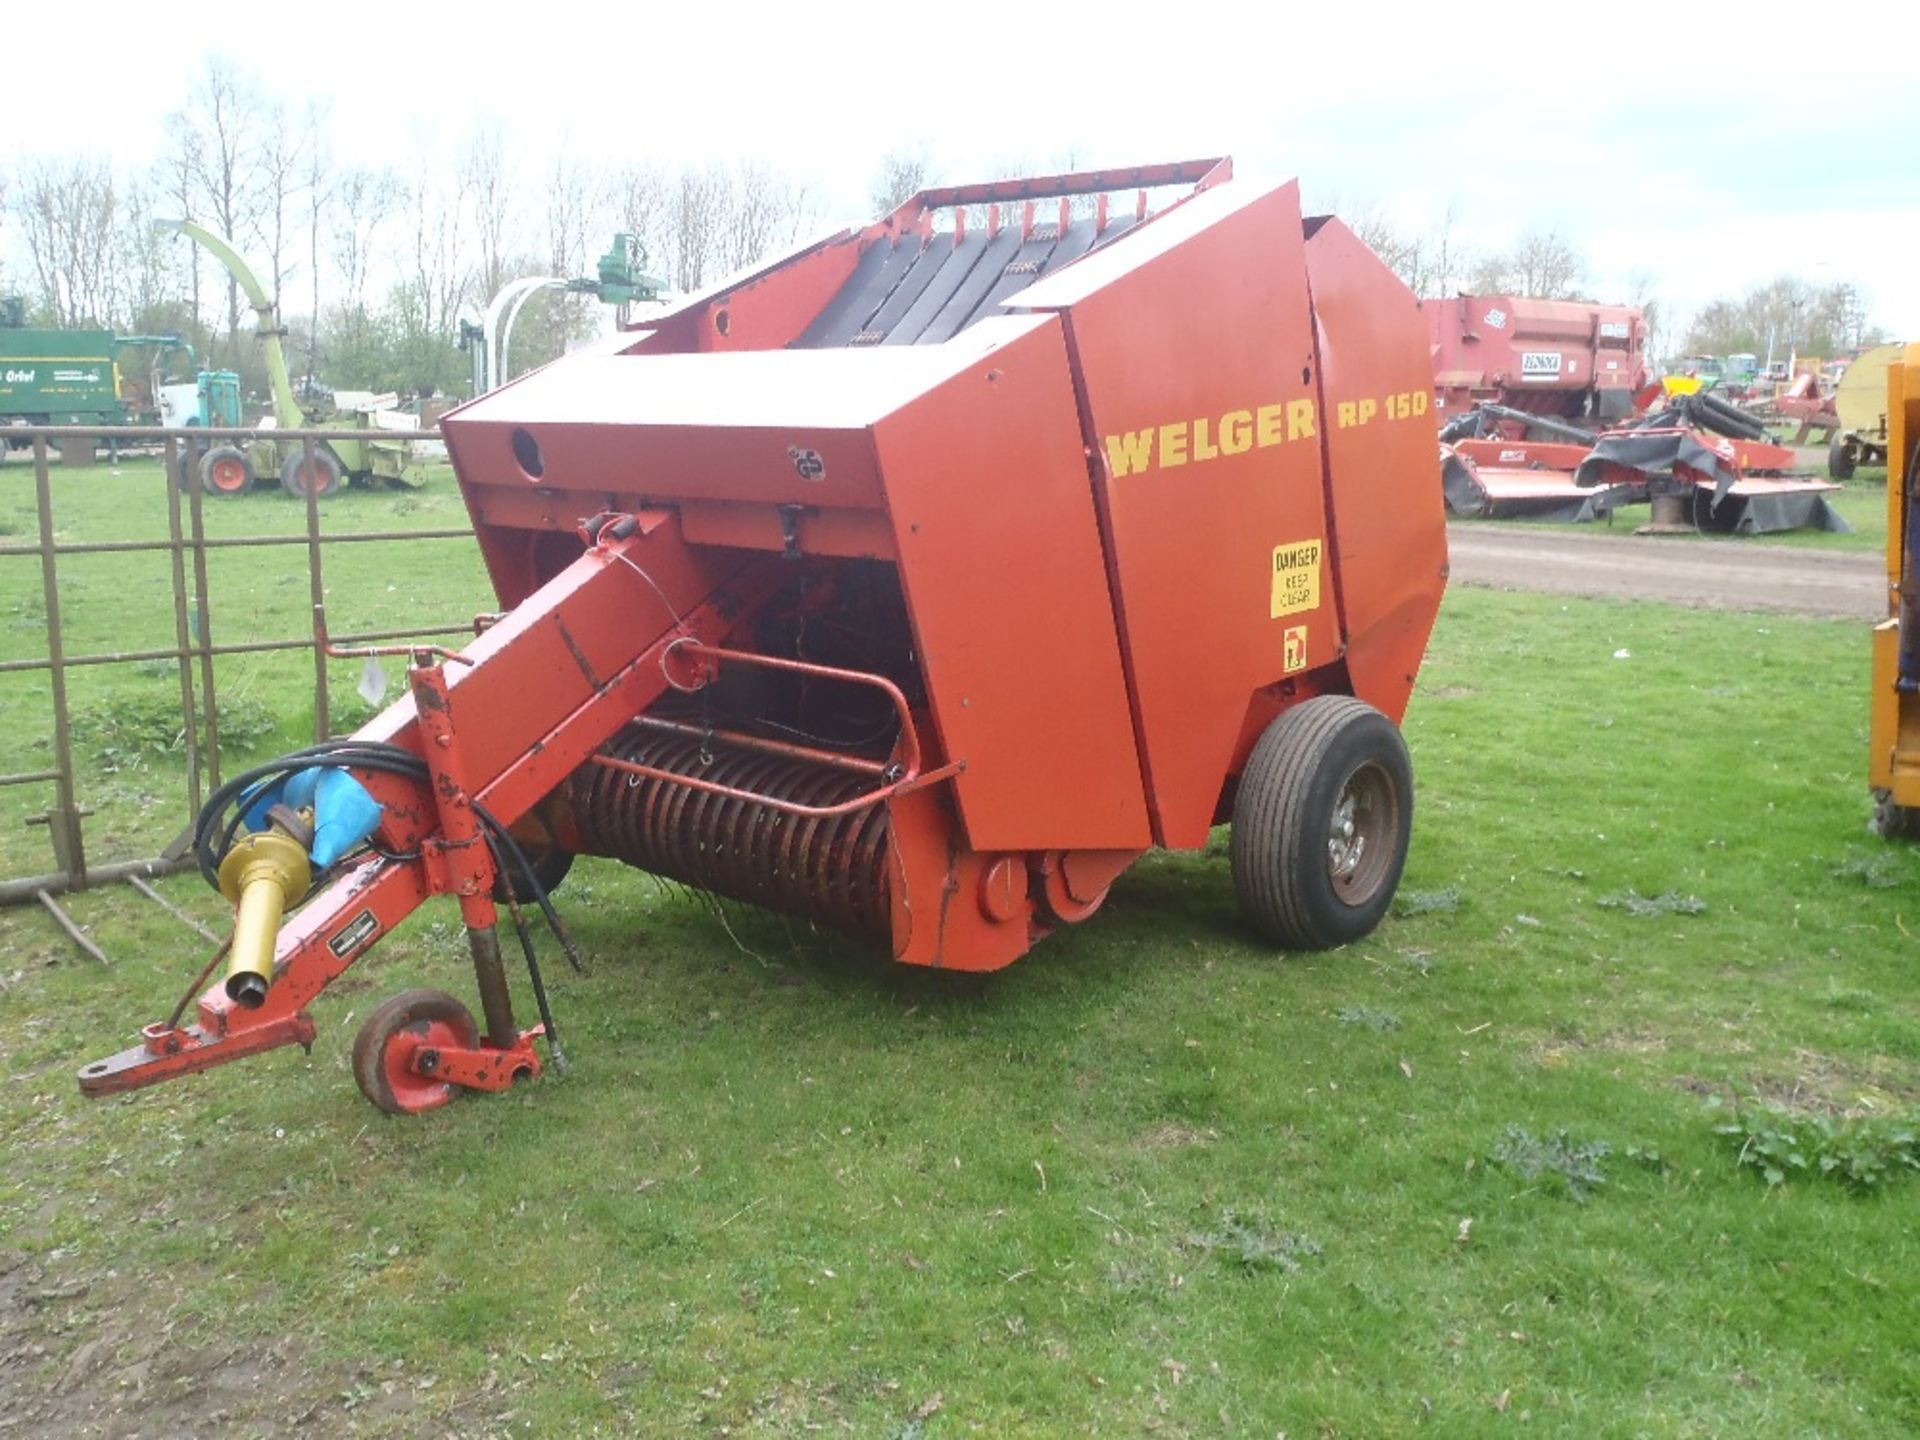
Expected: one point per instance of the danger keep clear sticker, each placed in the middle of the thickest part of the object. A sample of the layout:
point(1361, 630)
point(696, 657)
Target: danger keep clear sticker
point(1296, 577)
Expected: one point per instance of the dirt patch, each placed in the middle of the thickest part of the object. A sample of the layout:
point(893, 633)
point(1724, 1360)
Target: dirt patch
point(97, 1356)
point(1712, 575)
point(1822, 1085)
point(1174, 1137)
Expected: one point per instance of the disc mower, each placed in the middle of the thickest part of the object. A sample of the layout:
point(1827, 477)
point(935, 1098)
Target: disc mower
point(915, 583)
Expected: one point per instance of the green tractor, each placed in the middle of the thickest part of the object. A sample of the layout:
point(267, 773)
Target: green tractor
point(227, 468)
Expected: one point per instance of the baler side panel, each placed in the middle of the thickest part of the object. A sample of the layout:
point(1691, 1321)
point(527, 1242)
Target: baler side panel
point(1387, 512)
point(1001, 564)
point(1193, 345)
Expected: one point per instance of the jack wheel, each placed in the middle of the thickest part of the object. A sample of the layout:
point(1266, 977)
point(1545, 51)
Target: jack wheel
point(1321, 821)
point(386, 1044)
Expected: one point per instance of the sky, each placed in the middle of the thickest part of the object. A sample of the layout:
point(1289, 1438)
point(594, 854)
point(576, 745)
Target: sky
point(1702, 149)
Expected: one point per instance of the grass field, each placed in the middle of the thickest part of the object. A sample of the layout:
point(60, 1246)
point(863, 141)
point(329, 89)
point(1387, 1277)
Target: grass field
point(1153, 1179)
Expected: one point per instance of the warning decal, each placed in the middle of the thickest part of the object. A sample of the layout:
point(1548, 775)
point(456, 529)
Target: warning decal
point(1296, 578)
point(1294, 648)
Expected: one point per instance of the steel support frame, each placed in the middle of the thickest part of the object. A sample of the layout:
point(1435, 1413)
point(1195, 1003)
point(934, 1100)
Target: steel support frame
point(596, 596)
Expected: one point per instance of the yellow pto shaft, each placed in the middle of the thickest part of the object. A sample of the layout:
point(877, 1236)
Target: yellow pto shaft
point(262, 875)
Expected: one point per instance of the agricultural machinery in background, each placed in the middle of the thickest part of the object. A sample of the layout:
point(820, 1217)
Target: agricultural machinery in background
point(74, 377)
point(916, 584)
point(228, 469)
point(1564, 360)
point(1863, 411)
point(1549, 411)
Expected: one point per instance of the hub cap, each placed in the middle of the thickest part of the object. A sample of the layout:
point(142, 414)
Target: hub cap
point(1360, 836)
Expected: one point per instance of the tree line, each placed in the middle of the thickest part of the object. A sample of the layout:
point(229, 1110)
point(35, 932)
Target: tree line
point(372, 267)
point(1788, 315)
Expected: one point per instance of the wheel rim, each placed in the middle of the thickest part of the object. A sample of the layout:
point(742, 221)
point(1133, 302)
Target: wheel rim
point(1361, 834)
point(228, 475)
point(307, 477)
point(414, 1093)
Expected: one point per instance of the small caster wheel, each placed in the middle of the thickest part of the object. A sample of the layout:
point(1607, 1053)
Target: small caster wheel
point(1891, 821)
point(384, 1048)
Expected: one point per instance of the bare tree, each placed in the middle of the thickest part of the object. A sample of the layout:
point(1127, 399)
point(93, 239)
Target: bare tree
point(762, 211)
point(695, 209)
point(319, 184)
point(1543, 265)
point(220, 137)
point(281, 177)
point(485, 182)
point(902, 175)
point(155, 273)
point(67, 211)
point(360, 202)
point(573, 205)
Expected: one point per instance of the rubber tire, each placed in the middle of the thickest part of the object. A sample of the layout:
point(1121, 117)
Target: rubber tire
point(324, 461)
point(1283, 808)
point(187, 455)
point(550, 866)
point(1891, 821)
point(409, 1007)
point(1841, 459)
point(224, 455)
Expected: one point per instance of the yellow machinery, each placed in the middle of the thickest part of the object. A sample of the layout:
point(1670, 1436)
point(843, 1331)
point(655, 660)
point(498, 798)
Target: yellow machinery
point(1860, 401)
point(1893, 768)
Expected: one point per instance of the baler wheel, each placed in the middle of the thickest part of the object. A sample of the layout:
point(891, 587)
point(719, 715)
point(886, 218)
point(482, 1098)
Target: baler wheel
point(1320, 824)
point(1842, 456)
point(390, 1036)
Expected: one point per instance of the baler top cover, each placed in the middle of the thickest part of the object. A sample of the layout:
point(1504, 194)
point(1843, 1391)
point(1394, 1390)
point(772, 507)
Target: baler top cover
point(936, 395)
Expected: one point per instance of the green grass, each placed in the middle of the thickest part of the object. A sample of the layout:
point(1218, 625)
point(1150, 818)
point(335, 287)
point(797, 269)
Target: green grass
point(1154, 1178)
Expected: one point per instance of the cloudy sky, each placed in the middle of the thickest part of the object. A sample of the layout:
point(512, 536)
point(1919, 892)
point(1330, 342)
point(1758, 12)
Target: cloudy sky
point(1707, 147)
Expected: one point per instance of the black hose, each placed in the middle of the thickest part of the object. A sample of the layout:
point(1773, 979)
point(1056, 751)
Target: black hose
point(377, 757)
point(534, 979)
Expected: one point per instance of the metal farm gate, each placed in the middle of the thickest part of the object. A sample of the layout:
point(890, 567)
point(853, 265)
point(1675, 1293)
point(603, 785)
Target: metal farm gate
point(195, 652)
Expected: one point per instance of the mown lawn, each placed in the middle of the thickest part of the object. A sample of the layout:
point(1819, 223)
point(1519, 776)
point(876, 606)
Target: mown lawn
point(1152, 1179)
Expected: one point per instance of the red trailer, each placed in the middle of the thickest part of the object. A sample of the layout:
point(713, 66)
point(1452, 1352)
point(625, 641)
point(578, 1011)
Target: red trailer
point(917, 584)
point(1562, 358)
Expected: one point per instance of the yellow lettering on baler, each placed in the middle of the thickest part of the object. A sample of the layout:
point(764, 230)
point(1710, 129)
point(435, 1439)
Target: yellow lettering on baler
point(1266, 425)
point(1203, 447)
point(1299, 419)
point(1129, 452)
point(1204, 438)
point(1173, 444)
point(1345, 414)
